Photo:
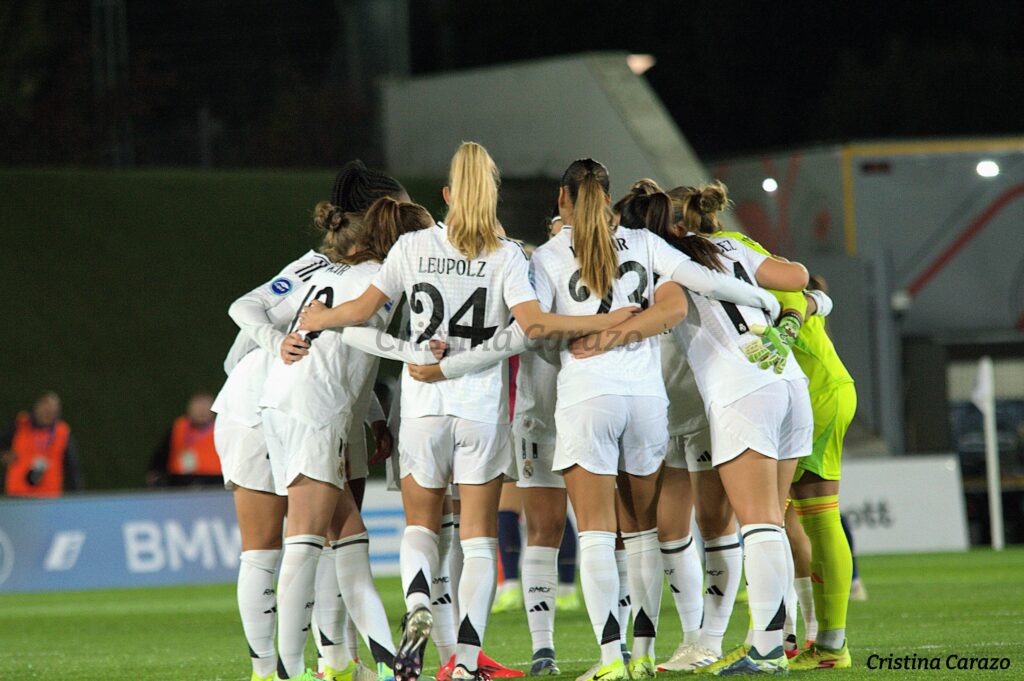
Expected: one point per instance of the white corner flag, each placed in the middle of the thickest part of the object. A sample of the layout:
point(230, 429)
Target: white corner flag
point(984, 398)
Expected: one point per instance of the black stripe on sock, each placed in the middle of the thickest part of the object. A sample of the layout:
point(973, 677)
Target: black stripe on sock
point(611, 630)
point(467, 634)
point(721, 548)
point(760, 529)
point(779, 620)
point(382, 654)
point(447, 524)
point(678, 549)
point(302, 543)
point(351, 542)
point(418, 585)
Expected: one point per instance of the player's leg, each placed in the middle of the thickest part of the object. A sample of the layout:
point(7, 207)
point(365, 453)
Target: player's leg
point(351, 546)
point(816, 500)
point(260, 519)
point(425, 446)
point(568, 596)
point(545, 510)
point(509, 595)
point(333, 657)
point(801, 547)
point(442, 592)
point(723, 559)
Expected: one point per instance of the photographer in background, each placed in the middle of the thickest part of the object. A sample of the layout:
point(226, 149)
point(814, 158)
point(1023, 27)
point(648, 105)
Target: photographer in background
point(186, 454)
point(39, 453)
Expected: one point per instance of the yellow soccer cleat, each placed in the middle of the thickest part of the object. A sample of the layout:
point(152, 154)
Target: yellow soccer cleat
point(616, 671)
point(255, 677)
point(819, 657)
point(642, 668)
point(509, 600)
point(734, 655)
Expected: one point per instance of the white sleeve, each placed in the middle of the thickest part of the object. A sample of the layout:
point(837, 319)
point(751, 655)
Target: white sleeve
point(712, 284)
point(516, 287)
point(241, 347)
point(382, 344)
point(822, 302)
point(542, 283)
point(375, 412)
point(388, 279)
point(504, 344)
point(250, 314)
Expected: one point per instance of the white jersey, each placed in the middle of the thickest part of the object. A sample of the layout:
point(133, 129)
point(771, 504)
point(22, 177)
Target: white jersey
point(717, 332)
point(326, 386)
point(462, 302)
point(632, 369)
point(263, 315)
point(536, 382)
point(686, 413)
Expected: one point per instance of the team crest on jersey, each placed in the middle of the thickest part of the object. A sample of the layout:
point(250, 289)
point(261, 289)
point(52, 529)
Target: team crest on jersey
point(281, 286)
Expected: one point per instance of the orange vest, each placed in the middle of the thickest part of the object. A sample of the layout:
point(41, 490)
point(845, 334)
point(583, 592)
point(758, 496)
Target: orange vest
point(39, 449)
point(192, 450)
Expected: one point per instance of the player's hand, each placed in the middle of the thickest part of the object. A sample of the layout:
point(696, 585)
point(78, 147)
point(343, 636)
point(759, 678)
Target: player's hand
point(789, 327)
point(385, 443)
point(439, 348)
point(293, 348)
point(426, 373)
point(313, 317)
point(769, 350)
point(589, 346)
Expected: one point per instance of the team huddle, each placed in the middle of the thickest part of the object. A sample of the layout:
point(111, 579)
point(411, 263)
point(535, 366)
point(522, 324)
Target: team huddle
point(666, 369)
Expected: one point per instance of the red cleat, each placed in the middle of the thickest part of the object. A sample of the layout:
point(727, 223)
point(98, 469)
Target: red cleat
point(494, 669)
point(790, 654)
point(445, 672)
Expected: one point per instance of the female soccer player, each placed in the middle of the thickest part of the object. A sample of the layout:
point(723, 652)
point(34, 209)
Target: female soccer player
point(760, 421)
point(308, 410)
point(463, 282)
point(263, 316)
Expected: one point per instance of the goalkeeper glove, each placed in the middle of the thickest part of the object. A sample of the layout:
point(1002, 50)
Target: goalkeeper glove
point(769, 350)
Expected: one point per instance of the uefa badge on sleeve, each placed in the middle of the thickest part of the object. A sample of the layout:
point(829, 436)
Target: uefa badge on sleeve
point(281, 286)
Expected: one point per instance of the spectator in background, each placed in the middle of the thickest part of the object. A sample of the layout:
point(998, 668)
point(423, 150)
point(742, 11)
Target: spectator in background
point(186, 455)
point(39, 452)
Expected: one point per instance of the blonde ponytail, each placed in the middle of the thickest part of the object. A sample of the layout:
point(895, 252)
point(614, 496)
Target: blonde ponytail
point(592, 238)
point(473, 201)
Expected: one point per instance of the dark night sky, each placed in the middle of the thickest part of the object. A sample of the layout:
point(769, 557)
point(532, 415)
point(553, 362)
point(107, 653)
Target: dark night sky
point(736, 76)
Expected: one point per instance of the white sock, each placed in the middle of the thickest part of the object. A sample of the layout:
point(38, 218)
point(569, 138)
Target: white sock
point(295, 598)
point(328, 621)
point(685, 580)
point(833, 639)
point(417, 561)
point(599, 577)
point(476, 594)
point(257, 604)
point(455, 561)
point(442, 597)
point(764, 563)
point(352, 563)
point(624, 601)
point(723, 567)
point(805, 595)
point(540, 587)
point(789, 626)
point(351, 637)
point(645, 580)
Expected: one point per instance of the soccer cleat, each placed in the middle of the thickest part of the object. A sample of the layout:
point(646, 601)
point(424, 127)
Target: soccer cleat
point(346, 674)
point(384, 672)
point(790, 646)
point(308, 675)
point(775, 662)
point(570, 602)
point(544, 663)
point(509, 600)
point(642, 668)
point(723, 661)
point(261, 678)
point(445, 672)
point(495, 670)
point(589, 674)
point(616, 671)
point(818, 657)
point(858, 592)
point(688, 658)
point(416, 627)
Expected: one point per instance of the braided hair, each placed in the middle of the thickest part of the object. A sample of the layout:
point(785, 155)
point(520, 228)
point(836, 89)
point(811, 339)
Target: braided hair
point(356, 187)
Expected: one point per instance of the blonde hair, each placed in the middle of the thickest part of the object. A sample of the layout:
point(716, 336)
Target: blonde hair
point(587, 182)
point(473, 201)
point(697, 208)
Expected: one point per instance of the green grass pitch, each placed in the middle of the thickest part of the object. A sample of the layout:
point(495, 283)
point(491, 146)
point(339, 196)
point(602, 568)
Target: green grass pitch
point(930, 605)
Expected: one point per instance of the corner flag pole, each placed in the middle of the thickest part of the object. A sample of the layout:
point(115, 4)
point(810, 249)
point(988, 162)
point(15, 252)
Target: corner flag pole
point(984, 398)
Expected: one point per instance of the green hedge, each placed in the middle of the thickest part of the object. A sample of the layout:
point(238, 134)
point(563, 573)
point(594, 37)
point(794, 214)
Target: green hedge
point(117, 288)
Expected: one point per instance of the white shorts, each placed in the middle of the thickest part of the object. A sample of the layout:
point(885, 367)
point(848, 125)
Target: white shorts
point(357, 454)
point(437, 450)
point(244, 460)
point(297, 448)
point(534, 461)
point(775, 420)
point(691, 452)
point(609, 433)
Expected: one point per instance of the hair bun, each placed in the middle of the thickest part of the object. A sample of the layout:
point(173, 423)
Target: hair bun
point(329, 218)
point(712, 197)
